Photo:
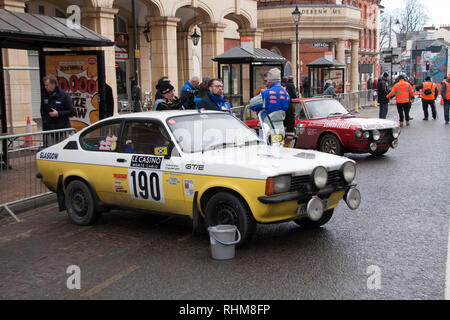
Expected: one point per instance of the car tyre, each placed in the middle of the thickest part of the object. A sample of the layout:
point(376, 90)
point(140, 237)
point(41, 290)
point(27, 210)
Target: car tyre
point(306, 223)
point(226, 208)
point(331, 144)
point(80, 204)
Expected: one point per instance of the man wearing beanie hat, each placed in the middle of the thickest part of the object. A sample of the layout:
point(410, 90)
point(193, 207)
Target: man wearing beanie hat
point(382, 91)
point(168, 100)
point(275, 100)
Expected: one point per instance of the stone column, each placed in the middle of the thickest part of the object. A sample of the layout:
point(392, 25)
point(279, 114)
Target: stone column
point(101, 21)
point(17, 82)
point(294, 62)
point(340, 51)
point(185, 64)
point(212, 46)
point(252, 32)
point(164, 49)
point(354, 75)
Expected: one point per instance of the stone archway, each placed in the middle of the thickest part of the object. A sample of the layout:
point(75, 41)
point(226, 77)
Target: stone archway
point(192, 18)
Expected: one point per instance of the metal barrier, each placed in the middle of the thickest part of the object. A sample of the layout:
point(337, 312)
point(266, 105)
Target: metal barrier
point(18, 181)
point(352, 101)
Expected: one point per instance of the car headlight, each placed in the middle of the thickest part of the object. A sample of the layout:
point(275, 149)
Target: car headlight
point(348, 171)
point(376, 135)
point(358, 133)
point(396, 132)
point(320, 177)
point(366, 135)
point(278, 184)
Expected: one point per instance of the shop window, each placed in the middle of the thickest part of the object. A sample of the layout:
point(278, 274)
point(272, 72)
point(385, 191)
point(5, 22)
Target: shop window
point(41, 9)
point(120, 25)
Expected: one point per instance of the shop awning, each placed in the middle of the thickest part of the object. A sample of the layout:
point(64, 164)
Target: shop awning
point(240, 55)
point(19, 30)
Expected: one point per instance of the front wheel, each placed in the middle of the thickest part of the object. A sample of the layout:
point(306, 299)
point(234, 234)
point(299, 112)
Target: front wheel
point(226, 208)
point(306, 223)
point(331, 144)
point(80, 204)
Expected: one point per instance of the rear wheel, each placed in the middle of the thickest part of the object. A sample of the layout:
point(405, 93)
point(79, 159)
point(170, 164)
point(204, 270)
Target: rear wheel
point(226, 208)
point(80, 203)
point(307, 223)
point(331, 144)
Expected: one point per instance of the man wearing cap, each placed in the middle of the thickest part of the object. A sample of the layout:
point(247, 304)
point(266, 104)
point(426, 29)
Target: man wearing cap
point(168, 100)
point(428, 93)
point(275, 100)
point(445, 93)
point(404, 95)
point(383, 91)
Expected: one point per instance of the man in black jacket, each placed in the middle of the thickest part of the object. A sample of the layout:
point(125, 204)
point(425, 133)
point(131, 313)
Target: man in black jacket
point(56, 106)
point(383, 90)
point(289, 121)
point(56, 109)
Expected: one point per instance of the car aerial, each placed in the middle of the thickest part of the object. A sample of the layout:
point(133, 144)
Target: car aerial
point(324, 124)
point(206, 165)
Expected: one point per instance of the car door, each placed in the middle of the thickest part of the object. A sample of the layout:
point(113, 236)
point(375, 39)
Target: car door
point(150, 168)
point(96, 160)
point(301, 123)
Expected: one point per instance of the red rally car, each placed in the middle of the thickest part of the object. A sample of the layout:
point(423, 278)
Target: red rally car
point(324, 124)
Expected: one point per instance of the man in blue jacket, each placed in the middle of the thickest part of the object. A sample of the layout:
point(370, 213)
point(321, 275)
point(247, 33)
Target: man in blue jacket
point(275, 100)
point(188, 93)
point(214, 99)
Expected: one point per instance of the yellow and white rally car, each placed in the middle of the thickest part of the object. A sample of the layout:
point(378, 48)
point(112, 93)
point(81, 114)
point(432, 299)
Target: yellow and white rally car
point(206, 165)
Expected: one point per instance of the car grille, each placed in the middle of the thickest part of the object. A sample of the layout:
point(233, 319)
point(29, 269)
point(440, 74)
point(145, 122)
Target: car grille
point(386, 133)
point(300, 182)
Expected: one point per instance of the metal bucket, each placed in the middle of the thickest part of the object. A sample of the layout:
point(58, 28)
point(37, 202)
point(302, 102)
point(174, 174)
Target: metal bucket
point(223, 241)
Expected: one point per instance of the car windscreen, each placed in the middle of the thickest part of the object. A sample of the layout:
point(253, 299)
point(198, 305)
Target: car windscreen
point(208, 131)
point(324, 108)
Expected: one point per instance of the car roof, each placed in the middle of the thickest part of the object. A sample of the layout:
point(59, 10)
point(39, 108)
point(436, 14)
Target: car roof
point(161, 115)
point(310, 99)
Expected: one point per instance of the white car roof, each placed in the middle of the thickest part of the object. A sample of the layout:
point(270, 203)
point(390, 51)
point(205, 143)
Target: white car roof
point(161, 115)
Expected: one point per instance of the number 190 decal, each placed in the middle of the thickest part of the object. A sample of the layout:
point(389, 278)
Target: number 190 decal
point(146, 185)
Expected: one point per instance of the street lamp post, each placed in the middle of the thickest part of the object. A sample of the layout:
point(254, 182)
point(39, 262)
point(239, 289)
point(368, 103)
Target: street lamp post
point(296, 16)
point(390, 45)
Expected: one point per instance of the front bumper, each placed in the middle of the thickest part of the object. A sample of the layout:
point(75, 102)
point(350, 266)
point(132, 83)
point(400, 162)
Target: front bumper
point(304, 196)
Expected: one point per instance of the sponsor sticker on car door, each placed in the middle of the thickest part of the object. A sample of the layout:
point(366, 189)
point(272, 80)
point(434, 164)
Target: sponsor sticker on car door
point(146, 183)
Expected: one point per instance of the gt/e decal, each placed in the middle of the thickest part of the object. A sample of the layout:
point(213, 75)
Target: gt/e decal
point(146, 185)
point(195, 166)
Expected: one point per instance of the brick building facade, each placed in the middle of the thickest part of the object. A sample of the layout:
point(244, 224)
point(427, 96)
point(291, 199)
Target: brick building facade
point(349, 29)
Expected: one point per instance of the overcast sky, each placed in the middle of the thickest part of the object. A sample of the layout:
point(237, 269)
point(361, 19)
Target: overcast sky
point(439, 10)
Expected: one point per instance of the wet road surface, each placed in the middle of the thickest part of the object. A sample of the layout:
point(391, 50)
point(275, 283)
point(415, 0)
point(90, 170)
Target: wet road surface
point(393, 247)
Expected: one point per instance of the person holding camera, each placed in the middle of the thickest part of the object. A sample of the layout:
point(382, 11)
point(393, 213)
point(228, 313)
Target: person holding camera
point(428, 93)
point(168, 99)
point(188, 93)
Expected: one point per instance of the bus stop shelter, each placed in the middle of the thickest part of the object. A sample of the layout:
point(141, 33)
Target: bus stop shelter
point(26, 31)
point(231, 65)
point(323, 69)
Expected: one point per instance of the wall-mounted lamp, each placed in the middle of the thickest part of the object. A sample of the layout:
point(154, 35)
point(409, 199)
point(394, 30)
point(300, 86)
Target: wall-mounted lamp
point(147, 34)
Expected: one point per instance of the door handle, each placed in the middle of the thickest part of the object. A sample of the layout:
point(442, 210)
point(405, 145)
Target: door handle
point(121, 160)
